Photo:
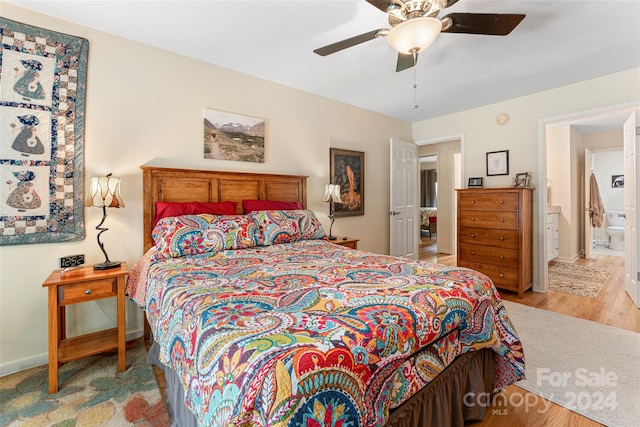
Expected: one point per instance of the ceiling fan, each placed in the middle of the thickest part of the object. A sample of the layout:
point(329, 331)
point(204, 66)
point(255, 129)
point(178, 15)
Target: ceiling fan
point(415, 25)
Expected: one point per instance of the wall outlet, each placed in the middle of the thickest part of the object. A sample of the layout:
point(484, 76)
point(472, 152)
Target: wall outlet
point(71, 261)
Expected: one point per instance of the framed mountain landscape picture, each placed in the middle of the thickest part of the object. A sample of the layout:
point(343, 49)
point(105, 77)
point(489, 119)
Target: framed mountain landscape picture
point(230, 136)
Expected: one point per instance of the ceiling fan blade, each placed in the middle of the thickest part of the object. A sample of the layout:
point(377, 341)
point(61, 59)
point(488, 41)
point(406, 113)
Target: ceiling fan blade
point(405, 61)
point(382, 4)
point(338, 46)
point(493, 24)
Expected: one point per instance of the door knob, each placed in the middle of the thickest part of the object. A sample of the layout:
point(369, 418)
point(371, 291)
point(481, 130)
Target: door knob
point(395, 213)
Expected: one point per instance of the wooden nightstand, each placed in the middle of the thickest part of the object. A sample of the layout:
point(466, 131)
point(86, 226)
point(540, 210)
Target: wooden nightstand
point(73, 287)
point(349, 242)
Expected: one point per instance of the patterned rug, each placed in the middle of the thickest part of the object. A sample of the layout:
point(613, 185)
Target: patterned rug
point(92, 393)
point(577, 279)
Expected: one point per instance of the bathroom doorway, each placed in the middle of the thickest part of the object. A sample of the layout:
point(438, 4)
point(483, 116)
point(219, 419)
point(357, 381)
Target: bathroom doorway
point(564, 139)
point(606, 168)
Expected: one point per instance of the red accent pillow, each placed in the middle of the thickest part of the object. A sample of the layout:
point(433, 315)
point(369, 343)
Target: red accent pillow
point(269, 205)
point(165, 209)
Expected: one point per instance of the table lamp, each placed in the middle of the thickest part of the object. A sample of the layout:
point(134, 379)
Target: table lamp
point(331, 195)
point(104, 192)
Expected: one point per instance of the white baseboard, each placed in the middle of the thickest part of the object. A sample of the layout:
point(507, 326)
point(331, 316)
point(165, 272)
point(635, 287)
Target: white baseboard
point(43, 359)
point(569, 260)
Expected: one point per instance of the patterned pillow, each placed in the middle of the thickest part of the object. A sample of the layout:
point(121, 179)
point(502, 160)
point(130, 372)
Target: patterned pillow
point(196, 234)
point(285, 226)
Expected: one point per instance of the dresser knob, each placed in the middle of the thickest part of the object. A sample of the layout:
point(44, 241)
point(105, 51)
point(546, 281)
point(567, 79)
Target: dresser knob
point(473, 219)
point(87, 292)
point(473, 252)
point(502, 275)
point(502, 202)
point(501, 238)
point(501, 256)
point(473, 236)
point(501, 219)
point(473, 202)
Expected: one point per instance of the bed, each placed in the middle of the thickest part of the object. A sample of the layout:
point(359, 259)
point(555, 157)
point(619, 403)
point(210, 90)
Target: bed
point(299, 331)
point(429, 220)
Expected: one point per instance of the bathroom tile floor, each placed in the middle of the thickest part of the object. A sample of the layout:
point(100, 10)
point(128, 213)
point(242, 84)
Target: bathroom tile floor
point(603, 250)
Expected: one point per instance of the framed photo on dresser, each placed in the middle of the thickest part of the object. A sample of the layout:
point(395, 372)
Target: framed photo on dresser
point(475, 183)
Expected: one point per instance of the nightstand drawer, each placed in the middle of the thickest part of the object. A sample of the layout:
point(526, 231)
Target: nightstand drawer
point(348, 242)
point(87, 291)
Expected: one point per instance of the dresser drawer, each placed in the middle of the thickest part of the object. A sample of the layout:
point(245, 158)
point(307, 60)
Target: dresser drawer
point(87, 291)
point(490, 237)
point(489, 219)
point(502, 277)
point(482, 200)
point(489, 255)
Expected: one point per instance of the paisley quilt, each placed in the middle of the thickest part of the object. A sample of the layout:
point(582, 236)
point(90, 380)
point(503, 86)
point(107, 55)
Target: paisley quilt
point(310, 333)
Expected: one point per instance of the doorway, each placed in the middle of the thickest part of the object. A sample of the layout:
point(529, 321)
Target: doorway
point(428, 196)
point(606, 169)
point(565, 138)
point(445, 156)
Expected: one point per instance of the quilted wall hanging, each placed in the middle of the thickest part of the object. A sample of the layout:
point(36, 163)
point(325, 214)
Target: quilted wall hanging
point(42, 102)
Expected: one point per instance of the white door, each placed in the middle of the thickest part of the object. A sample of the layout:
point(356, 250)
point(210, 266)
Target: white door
point(404, 203)
point(631, 262)
point(588, 238)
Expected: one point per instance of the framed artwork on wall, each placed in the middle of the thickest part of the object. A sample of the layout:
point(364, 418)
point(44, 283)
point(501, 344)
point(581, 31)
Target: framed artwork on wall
point(347, 171)
point(42, 113)
point(617, 181)
point(498, 163)
point(230, 136)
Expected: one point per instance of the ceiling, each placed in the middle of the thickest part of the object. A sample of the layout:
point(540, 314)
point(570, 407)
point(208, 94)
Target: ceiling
point(558, 43)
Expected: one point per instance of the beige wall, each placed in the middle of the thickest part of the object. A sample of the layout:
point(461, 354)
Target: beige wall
point(577, 193)
point(559, 173)
point(145, 106)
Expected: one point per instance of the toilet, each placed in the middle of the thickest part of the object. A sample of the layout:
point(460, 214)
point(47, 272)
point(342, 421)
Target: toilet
point(615, 230)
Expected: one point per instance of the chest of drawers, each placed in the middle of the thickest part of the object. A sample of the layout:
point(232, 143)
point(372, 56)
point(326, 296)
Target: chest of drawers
point(494, 235)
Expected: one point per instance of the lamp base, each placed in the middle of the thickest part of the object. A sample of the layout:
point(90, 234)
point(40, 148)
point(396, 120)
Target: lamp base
point(107, 265)
point(332, 237)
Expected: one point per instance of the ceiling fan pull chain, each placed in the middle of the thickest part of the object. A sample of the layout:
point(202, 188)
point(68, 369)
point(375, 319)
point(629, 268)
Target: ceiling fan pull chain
point(415, 81)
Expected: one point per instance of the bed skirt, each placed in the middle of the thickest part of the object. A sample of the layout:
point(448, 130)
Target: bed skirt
point(440, 403)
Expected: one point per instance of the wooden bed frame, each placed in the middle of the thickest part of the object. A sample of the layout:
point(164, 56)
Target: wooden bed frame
point(471, 372)
point(162, 184)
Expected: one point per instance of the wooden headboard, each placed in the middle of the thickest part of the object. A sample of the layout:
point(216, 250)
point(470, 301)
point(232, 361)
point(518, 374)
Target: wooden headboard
point(189, 185)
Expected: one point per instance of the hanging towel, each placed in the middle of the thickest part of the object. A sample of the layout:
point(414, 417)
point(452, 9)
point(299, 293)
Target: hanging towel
point(596, 210)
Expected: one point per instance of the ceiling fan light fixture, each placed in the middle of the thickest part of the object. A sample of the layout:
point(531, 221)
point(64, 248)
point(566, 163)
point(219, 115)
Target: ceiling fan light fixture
point(414, 35)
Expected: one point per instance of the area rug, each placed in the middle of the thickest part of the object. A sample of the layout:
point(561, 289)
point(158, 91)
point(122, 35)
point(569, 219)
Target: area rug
point(92, 393)
point(587, 367)
point(577, 279)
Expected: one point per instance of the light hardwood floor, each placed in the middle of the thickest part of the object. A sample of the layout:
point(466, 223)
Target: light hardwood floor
point(612, 307)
